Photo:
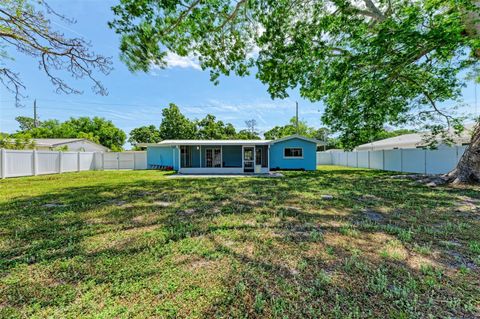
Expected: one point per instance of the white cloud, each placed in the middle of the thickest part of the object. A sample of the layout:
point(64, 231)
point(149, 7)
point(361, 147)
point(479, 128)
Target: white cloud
point(174, 60)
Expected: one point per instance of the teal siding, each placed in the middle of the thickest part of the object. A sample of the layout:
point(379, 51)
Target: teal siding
point(308, 162)
point(162, 155)
point(232, 156)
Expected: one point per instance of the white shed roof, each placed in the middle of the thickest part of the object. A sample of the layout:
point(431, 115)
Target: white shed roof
point(54, 142)
point(412, 140)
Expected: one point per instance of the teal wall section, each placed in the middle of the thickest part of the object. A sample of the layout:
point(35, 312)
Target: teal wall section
point(232, 156)
point(162, 155)
point(308, 162)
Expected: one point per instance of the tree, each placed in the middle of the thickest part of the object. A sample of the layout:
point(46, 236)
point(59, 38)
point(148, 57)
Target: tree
point(175, 125)
point(96, 129)
point(247, 135)
point(211, 129)
point(26, 123)
point(144, 134)
point(25, 26)
point(290, 129)
point(371, 62)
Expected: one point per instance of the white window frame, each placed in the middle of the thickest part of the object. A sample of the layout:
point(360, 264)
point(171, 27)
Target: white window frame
point(292, 157)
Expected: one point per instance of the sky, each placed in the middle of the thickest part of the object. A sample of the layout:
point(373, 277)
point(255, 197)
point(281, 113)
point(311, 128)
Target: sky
point(137, 99)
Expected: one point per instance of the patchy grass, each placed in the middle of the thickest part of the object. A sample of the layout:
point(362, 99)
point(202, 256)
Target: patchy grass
point(137, 244)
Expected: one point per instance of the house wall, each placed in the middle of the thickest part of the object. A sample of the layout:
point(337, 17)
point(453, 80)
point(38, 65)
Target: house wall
point(232, 156)
point(83, 146)
point(163, 155)
point(308, 162)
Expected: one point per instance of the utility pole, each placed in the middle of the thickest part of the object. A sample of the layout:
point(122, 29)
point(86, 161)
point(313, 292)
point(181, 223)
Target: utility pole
point(296, 116)
point(35, 113)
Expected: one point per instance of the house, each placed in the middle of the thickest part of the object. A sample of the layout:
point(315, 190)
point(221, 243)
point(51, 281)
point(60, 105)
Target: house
point(413, 140)
point(234, 156)
point(69, 144)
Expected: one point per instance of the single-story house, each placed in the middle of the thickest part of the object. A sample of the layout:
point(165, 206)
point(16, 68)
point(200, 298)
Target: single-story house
point(233, 156)
point(70, 144)
point(415, 140)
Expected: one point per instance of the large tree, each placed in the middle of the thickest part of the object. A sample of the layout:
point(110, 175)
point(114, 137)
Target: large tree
point(26, 28)
point(96, 129)
point(175, 125)
point(371, 62)
point(211, 129)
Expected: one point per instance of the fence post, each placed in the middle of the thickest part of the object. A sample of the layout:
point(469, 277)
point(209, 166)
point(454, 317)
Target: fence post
point(356, 154)
point(118, 161)
point(34, 163)
point(60, 162)
point(78, 161)
point(368, 153)
point(3, 163)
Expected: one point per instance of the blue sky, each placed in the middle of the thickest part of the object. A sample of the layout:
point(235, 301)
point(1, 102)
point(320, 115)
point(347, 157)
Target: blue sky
point(137, 99)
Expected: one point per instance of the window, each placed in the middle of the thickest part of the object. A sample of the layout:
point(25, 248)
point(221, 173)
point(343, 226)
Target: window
point(213, 157)
point(293, 152)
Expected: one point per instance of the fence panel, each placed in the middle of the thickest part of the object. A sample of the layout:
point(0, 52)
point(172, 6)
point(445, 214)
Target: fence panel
point(393, 160)
point(141, 160)
point(18, 163)
point(363, 159)
point(324, 158)
point(413, 160)
point(110, 160)
point(48, 162)
point(352, 159)
point(376, 159)
point(15, 163)
point(69, 161)
point(87, 161)
point(441, 160)
point(126, 160)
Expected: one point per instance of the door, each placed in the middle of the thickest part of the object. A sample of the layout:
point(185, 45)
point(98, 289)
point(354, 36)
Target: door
point(248, 159)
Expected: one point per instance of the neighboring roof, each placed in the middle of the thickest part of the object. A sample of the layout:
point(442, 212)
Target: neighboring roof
point(412, 140)
point(299, 137)
point(55, 142)
point(227, 142)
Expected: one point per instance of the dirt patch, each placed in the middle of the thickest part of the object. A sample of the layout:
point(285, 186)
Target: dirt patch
point(187, 212)
point(54, 205)
point(373, 215)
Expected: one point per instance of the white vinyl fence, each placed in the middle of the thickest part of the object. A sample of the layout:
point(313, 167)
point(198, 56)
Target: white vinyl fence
point(413, 160)
point(15, 163)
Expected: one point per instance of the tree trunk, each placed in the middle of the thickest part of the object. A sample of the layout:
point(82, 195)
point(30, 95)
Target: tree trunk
point(468, 168)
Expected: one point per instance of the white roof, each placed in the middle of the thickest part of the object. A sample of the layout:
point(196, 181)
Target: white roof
point(227, 142)
point(206, 142)
point(54, 142)
point(412, 140)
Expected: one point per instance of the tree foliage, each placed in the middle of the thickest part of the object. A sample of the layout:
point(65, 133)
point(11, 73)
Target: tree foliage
point(95, 129)
point(371, 62)
point(26, 27)
point(175, 125)
point(144, 134)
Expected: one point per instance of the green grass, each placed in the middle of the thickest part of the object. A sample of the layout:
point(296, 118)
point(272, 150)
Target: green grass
point(139, 244)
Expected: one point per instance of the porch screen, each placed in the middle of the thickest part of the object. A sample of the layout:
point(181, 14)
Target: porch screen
point(213, 157)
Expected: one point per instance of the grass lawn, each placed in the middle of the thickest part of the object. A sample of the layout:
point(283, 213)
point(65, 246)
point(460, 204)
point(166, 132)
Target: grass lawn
point(139, 244)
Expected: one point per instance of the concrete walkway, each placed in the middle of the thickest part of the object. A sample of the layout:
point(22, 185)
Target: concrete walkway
point(269, 175)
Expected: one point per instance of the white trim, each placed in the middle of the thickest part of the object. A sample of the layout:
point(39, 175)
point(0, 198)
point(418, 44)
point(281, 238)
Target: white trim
point(179, 156)
point(243, 156)
point(312, 140)
point(292, 157)
point(268, 158)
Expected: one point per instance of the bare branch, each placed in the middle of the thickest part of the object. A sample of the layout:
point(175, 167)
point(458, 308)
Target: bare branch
point(28, 31)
